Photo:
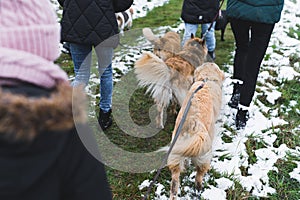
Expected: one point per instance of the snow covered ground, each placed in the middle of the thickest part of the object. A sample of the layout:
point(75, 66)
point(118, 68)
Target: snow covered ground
point(234, 153)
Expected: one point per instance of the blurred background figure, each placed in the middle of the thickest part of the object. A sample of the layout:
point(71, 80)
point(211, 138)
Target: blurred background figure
point(88, 24)
point(201, 12)
point(41, 154)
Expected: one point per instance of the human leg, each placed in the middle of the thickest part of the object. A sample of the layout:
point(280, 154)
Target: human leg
point(104, 55)
point(240, 30)
point(188, 31)
point(209, 38)
point(257, 46)
point(260, 37)
point(82, 58)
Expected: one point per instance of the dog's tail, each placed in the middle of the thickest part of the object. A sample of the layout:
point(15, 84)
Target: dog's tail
point(193, 142)
point(153, 73)
point(148, 34)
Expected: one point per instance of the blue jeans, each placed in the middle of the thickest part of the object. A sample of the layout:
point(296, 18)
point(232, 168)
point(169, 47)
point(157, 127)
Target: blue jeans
point(210, 36)
point(82, 59)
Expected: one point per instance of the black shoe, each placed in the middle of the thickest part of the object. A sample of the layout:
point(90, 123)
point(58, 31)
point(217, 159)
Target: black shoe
point(104, 119)
point(241, 118)
point(212, 55)
point(235, 98)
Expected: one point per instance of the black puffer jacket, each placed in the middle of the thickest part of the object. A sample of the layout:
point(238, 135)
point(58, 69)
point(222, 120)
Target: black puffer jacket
point(91, 21)
point(41, 153)
point(199, 11)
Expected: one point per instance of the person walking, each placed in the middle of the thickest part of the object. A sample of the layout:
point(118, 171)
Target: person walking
point(252, 23)
point(88, 24)
point(201, 12)
point(41, 153)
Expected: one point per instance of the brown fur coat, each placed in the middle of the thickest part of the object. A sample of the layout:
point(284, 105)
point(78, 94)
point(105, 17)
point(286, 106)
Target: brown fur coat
point(23, 117)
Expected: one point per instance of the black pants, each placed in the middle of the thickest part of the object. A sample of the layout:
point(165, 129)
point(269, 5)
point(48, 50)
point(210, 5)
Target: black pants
point(252, 40)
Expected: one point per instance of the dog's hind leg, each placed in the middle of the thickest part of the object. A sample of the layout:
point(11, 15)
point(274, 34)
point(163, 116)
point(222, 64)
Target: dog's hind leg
point(175, 170)
point(202, 164)
point(201, 171)
point(174, 110)
point(160, 116)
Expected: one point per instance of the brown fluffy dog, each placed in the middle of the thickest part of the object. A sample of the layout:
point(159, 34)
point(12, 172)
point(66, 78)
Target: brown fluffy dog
point(166, 46)
point(170, 80)
point(195, 138)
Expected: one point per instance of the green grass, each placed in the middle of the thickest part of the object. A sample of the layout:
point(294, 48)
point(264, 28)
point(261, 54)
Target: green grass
point(125, 184)
point(167, 15)
point(287, 187)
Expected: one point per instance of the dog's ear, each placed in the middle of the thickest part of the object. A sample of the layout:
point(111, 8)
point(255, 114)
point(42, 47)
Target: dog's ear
point(192, 35)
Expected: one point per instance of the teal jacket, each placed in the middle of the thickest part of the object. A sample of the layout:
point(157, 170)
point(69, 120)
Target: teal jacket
point(263, 11)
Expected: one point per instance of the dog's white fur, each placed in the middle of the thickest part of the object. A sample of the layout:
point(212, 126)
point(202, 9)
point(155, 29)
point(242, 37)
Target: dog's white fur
point(122, 24)
point(171, 79)
point(196, 136)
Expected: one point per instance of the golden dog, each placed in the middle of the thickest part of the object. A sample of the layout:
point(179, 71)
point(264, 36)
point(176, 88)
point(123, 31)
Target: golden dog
point(166, 46)
point(171, 79)
point(195, 138)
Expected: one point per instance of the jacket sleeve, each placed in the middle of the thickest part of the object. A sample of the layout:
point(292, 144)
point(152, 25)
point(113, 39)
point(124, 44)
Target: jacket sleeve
point(122, 5)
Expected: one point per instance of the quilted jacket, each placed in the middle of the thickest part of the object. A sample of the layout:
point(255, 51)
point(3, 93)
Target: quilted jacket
point(90, 22)
point(199, 11)
point(263, 11)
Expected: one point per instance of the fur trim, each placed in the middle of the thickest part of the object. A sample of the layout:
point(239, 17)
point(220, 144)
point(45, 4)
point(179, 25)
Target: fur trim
point(24, 117)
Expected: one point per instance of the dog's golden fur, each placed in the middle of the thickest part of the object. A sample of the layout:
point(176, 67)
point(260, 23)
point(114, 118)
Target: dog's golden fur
point(170, 80)
point(195, 138)
point(166, 46)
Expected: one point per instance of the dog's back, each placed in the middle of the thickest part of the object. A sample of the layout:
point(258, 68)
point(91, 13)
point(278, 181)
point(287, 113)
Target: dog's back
point(184, 64)
point(171, 79)
point(203, 113)
point(197, 133)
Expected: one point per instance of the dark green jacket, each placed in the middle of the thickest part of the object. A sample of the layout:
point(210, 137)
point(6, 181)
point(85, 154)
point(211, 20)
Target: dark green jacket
point(263, 11)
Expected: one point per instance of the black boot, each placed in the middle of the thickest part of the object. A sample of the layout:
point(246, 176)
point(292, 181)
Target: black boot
point(212, 55)
point(104, 119)
point(236, 94)
point(241, 118)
